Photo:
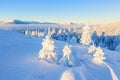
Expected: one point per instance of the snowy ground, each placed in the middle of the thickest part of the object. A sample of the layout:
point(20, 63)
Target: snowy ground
point(19, 61)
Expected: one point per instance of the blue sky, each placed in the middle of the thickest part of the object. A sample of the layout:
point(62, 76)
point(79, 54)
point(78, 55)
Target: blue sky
point(95, 11)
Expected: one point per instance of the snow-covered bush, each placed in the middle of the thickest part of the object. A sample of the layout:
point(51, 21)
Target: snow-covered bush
point(67, 59)
point(85, 38)
point(48, 53)
point(98, 57)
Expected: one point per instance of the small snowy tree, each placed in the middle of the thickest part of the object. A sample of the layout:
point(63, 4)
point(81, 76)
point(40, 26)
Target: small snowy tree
point(49, 32)
point(40, 34)
point(85, 38)
point(67, 59)
point(27, 32)
point(73, 39)
point(59, 32)
point(91, 49)
point(33, 33)
point(53, 31)
point(98, 57)
point(48, 53)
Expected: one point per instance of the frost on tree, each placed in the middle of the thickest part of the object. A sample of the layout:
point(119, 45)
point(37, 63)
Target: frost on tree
point(67, 59)
point(98, 57)
point(91, 49)
point(85, 38)
point(48, 53)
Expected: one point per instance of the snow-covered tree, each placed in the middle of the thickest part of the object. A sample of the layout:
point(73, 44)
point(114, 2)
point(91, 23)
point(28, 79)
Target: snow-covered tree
point(33, 33)
point(98, 57)
point(27, 32)
point(95, 38)
point(73, 39)
point(48, 53)
point(59, 31)
point(102, 39)
point(92, 49)
point(69, 29)
point(45, 32)
point(67, 59)
point(53, 31)
point(40, 34)
point(64, 31)
point(49, 32)
point(85, 38)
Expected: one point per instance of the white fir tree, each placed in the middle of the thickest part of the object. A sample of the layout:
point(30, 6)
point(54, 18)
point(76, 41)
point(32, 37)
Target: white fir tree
point(48, 53)
point(98, 57)
point(67, 59)
point(85, 38)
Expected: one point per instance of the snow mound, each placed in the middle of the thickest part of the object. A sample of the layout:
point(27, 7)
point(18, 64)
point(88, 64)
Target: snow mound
point(70, 74)
point(67, 75)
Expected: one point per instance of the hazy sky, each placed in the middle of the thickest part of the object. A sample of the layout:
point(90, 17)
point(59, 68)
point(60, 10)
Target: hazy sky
point(95, 11)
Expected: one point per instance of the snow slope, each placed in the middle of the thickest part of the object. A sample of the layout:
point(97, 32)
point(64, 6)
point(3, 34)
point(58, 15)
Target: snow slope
point(19, 61)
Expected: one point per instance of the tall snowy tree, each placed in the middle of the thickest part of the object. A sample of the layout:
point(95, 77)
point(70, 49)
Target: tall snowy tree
point(67, 59)
point(48, 53)
point(98, 57)
point(85, 38)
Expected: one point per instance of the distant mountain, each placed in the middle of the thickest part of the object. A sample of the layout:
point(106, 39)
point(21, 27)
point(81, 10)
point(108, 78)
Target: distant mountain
point(2, 22)
point(26, 22)
point(109, 29)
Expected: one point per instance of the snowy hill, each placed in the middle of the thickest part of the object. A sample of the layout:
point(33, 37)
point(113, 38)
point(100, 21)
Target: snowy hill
point(19, 61)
